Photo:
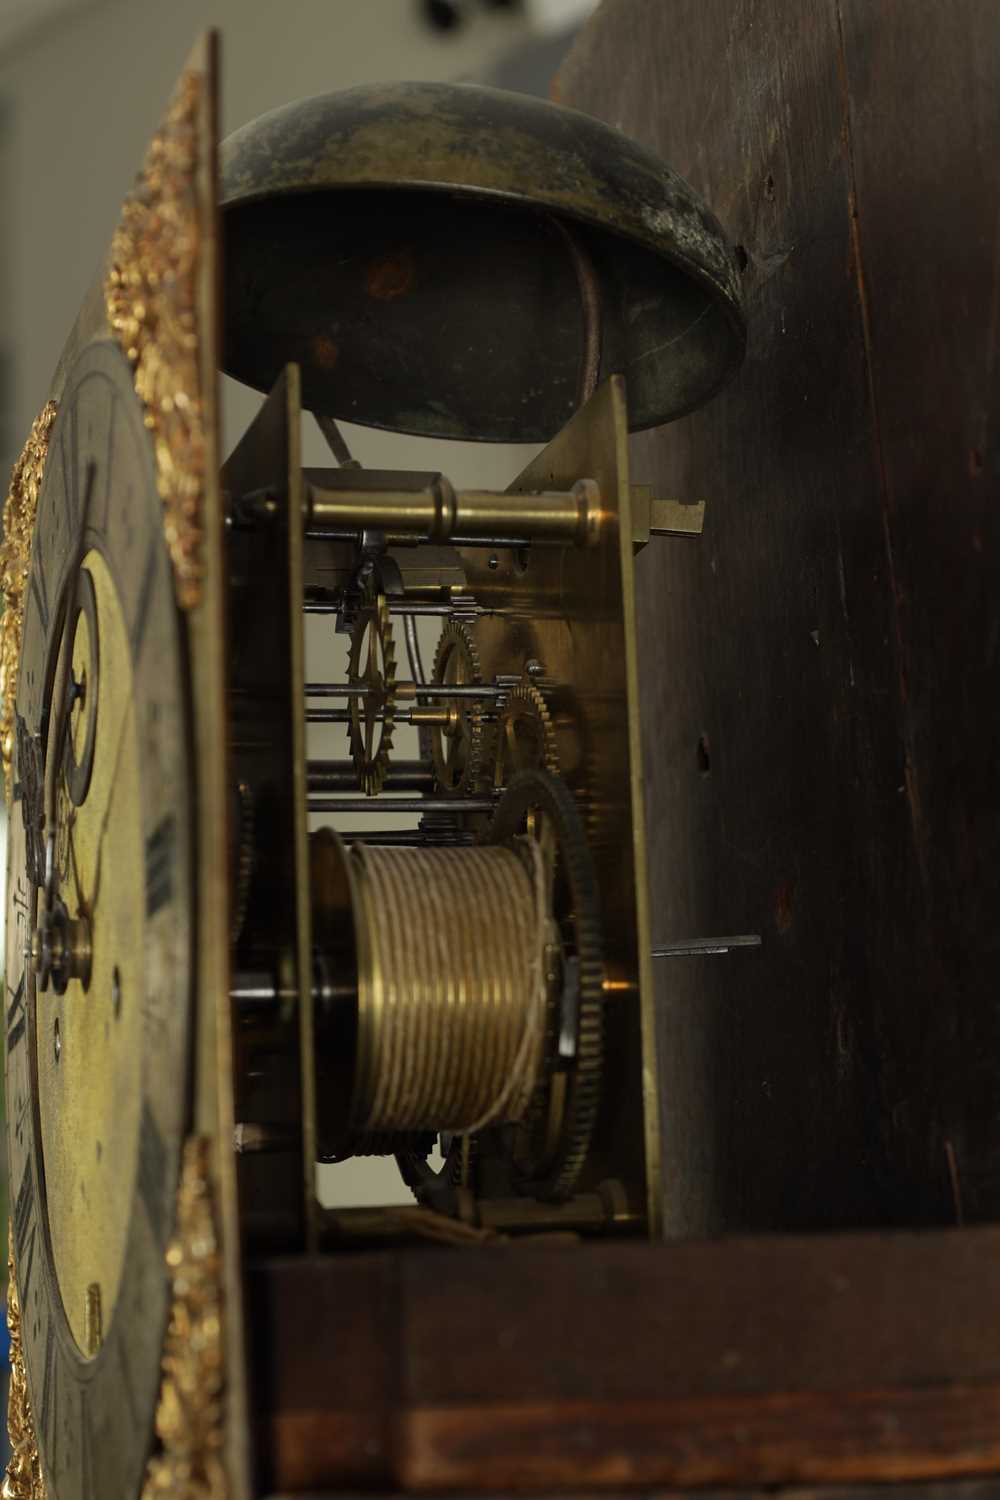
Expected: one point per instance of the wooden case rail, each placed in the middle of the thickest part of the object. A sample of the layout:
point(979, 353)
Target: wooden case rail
point(844, 1359)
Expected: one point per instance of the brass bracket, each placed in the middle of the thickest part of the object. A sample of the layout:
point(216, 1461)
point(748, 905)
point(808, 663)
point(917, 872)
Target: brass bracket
point(653, 516)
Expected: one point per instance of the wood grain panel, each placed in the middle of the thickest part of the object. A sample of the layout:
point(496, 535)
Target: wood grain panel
point(868, 1435)
point(922, 111)
point(822, 740)
point(768, 1360)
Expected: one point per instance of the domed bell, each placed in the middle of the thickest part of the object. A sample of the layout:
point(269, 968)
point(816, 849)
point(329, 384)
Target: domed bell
point(461, 262)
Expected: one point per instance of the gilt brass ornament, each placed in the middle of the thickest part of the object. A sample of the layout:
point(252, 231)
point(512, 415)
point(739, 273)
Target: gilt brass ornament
point(189, 1412)
point(151, 296)
point(23, 1479)
point(15, 551)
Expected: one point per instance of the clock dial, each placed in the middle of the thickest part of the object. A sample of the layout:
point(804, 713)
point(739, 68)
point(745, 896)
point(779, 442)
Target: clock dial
point(99, 957)
point(92, 1033)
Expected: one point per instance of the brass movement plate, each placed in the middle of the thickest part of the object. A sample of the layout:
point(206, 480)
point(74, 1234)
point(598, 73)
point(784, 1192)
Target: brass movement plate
point(572, 610)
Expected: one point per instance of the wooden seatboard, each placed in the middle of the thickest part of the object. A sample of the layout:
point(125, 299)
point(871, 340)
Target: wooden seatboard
point(769, 1360)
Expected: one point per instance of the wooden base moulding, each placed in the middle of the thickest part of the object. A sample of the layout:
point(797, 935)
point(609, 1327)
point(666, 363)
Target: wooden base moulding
point(777, 1361)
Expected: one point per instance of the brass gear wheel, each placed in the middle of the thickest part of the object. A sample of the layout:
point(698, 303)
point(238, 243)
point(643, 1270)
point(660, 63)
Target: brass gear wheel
point(458, 751)
point(371, 718)
point(526, 736)
point(549, 1151)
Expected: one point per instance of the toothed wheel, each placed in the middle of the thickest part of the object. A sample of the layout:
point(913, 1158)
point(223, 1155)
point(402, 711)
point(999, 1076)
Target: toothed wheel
point(439, 1187)
point(458, 747)
point(371, 664)
point(460, 1159)
point(243, 858)
point(526, 737)
point(550, 1149)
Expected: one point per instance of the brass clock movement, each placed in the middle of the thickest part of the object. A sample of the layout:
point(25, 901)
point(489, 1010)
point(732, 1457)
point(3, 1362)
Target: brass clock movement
point(215, 978)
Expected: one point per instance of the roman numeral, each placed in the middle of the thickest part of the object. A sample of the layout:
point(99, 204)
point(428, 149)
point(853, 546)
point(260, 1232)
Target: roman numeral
point(128, 1386)
point(24, 1209)
point(160, 865)
point(40, 593)
point(152, 1171)
point(146, 591)
point(25, 1263)
point(16, 1032)
point(47, 1412)
point(17, 1016)
point(21, 899)
point(21, 1118)
point(69, 470)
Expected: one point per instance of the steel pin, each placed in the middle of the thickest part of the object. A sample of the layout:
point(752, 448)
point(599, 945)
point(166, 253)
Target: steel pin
point(690, 947)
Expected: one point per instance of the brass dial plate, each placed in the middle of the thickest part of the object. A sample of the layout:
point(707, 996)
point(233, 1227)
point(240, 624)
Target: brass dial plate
point(87, 1038)
point(93, 1372)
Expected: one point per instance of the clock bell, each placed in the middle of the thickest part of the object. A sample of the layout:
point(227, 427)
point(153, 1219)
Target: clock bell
point(216, 978)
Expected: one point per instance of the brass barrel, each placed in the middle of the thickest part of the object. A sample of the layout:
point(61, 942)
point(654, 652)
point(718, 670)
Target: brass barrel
point(427, 508)
point(451, 989)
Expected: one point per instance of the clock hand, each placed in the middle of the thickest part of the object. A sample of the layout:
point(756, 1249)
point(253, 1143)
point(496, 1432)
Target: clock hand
point(71, 844)
point(60, 946)
point(68, 696)
point(107, 813)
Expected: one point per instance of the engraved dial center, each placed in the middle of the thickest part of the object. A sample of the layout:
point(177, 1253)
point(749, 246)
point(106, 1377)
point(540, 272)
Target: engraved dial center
point(89, 1044)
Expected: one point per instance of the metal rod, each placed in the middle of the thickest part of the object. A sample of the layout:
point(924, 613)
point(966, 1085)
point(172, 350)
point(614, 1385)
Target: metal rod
point(487, 690)
point(328, 715)
point(341, 776)
point(693, 946)
point(403, 539)
point(406, 689)
point(401, 607)
point(413, 650)
point(335, 439)
point(430, 716)
point(455, 805)
point(460, 605)
point(258, 992)
point(405, 838)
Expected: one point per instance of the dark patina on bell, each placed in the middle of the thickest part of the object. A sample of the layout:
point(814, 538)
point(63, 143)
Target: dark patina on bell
point(462, 262)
